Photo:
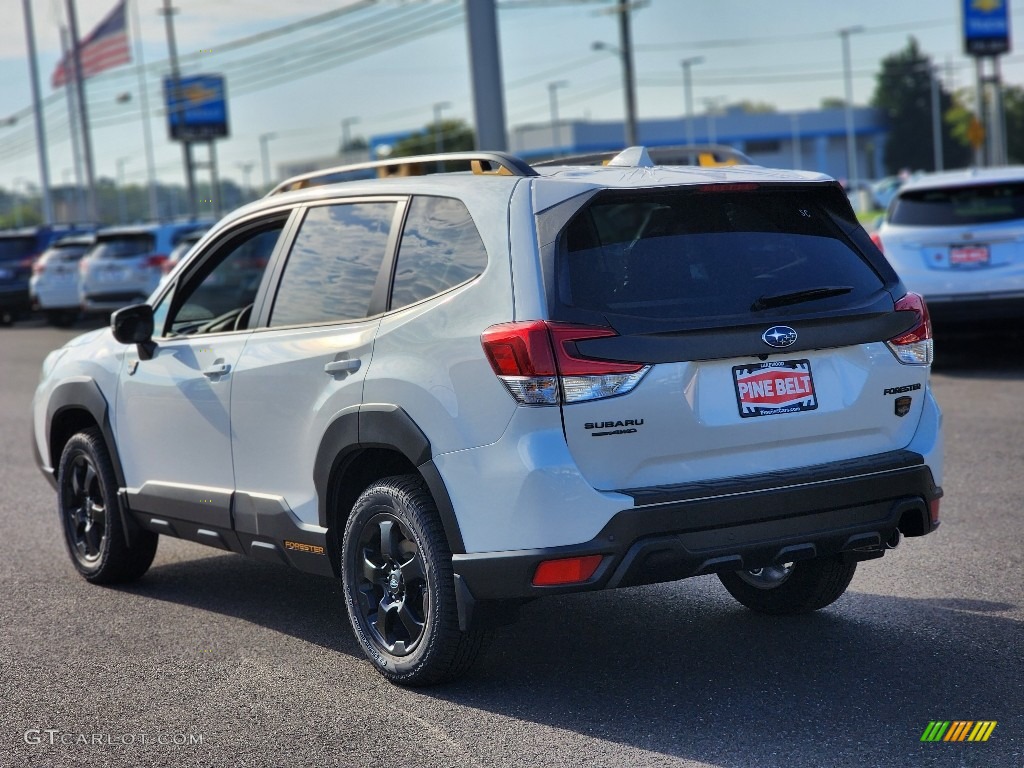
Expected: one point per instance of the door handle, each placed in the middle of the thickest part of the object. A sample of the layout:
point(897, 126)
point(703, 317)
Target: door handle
point(217, 369)
point(343, 366)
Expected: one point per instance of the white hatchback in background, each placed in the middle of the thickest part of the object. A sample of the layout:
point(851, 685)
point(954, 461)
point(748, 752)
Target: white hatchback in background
point(957, 238)
point(126, 263)
point(53, 286)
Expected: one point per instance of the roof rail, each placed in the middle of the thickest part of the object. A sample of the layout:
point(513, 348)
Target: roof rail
point(481, 163)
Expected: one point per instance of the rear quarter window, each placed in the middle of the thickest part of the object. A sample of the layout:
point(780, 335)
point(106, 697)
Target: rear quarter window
point(440, 249)
point(956, 206)
point(690, 254)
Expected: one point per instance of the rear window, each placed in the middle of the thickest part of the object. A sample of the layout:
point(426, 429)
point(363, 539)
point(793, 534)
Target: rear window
point(124, 246)
point(689, 255)
point(981, 204)
point(12, 248)
point(56, 254)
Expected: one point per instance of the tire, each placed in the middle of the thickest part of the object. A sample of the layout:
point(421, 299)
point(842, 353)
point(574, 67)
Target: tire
point(399, 586)
point(91, 518)
point(790, 589)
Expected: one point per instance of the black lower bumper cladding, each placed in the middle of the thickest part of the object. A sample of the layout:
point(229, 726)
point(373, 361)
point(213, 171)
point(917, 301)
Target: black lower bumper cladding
point(674, 532)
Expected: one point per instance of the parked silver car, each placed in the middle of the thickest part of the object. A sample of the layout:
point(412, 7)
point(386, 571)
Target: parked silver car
point(53, 286)
point(958, 239)
point(126, 263)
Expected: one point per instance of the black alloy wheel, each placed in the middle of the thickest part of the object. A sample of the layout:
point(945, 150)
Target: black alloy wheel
point(94, 531)
point(399, 585)
point(84, 510)
point(393, 595)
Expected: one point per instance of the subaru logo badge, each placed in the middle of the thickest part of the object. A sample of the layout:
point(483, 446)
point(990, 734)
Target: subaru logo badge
point(779, 336)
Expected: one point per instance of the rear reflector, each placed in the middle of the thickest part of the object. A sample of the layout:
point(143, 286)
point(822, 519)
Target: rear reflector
point(914, 347)
point(933, 511)
point(567, 570)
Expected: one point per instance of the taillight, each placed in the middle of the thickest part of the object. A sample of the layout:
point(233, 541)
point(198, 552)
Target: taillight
point(539, 364)
point(914, 347)
point(38, 268)
point(156, 260)
point(877, 240)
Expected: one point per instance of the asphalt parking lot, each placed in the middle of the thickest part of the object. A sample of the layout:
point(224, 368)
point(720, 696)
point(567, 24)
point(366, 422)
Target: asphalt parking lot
point(212, 659)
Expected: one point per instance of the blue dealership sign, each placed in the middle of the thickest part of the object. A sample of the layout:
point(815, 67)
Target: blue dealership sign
point(986, 27)
point(198, 111)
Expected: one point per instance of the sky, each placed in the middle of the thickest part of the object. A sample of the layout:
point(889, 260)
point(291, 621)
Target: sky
point(384, 66)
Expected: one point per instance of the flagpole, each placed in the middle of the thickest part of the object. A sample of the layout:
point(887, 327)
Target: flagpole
point(83, 111)
point(147, 129)
point(76, 147)
point(37, 108)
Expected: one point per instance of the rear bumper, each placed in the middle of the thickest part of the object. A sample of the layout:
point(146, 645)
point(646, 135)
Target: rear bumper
point(111, 301)
point(975, 308)
point(674, 532)
point(15, 298)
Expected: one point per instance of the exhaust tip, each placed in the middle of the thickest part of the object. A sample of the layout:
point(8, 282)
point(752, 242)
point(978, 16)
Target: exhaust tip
point(894, 540)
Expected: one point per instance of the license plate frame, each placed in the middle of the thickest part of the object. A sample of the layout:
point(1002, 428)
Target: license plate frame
point(970, 256)
point(774, 387)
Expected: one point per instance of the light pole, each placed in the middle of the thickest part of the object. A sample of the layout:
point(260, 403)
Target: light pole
point(121, 212)
point(246, 169)
point(438, 133)
point(345, 138)
point(710, 110)
point(933, 73)
point(851, 148)
point(627, 84)
point(18, 221)
point(794, 124)
point(688, 93)
point(556, 128)
point(265, 156)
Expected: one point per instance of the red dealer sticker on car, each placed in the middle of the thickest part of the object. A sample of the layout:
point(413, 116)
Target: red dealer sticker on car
point(779, 386)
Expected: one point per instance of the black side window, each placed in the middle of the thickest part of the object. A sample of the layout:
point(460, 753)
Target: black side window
point(333, 266)
point(220, 295)
point(440, 248)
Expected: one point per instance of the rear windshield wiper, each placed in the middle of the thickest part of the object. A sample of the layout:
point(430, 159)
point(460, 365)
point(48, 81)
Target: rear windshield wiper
point(798, 297)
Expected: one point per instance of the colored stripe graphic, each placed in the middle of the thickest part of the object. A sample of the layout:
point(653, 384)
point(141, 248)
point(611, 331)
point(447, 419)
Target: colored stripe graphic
point(959, 730)
point(935, 731)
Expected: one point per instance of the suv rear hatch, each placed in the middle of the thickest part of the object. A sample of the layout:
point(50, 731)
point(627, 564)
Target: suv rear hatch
point(759, 314)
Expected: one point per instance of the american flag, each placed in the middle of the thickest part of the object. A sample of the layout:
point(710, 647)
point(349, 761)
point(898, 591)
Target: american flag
point(104, 48)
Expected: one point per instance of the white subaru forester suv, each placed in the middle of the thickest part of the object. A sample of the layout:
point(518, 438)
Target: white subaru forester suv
point(460, 391)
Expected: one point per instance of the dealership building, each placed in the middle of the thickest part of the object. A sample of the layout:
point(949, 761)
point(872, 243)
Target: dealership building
point(811, 141)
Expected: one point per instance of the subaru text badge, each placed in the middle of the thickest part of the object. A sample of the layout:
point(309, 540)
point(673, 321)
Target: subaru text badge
point(779, 336)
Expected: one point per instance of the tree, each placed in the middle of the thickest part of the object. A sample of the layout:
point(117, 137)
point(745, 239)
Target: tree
point(832, 102)
point(903, 94)
point(455, 136)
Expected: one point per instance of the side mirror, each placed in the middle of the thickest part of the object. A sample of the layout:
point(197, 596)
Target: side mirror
point(133, 325)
